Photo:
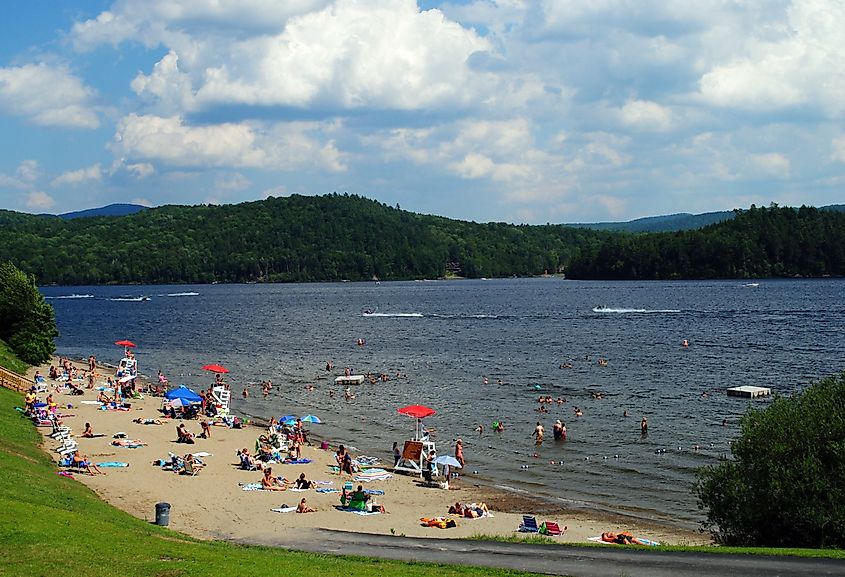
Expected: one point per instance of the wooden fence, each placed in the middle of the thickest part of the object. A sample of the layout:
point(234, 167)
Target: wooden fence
point(14, 381)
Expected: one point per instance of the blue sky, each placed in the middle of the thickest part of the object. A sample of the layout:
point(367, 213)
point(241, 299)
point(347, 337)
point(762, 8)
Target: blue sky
point(487, 110)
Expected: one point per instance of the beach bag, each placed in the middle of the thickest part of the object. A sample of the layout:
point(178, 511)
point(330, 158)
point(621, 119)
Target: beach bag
point(543, 529)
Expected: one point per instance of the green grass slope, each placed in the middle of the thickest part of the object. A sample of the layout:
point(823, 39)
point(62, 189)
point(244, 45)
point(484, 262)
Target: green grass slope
point(51, 525)
point(10, 360)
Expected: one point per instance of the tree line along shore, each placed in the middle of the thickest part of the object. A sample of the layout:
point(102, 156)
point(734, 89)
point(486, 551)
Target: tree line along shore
point(346, 237)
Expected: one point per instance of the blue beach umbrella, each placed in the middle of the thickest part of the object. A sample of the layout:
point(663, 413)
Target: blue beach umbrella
point(311, 419)
point(184, 393)
point(287, 419)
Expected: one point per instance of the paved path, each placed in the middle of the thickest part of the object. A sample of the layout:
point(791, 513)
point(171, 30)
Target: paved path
point(562, 560)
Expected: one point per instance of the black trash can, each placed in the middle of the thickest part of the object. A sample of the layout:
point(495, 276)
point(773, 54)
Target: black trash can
point(162, 514)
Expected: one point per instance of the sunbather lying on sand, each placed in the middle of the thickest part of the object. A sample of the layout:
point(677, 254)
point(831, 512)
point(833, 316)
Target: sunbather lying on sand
point(141, 421)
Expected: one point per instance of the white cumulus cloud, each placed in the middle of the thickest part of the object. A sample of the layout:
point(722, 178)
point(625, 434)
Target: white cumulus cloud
point(47, 95)
point(172, 141)
point(77, 176)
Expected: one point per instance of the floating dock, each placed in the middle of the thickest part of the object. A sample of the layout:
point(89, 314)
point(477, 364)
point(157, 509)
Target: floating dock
point(749, 392)
point(350, 380)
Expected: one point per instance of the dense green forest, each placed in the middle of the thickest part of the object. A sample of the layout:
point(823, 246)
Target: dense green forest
point(758, 243)
point(333, 237)
point(297, 238)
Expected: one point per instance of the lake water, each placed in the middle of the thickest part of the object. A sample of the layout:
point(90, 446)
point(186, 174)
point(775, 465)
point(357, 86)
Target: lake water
point(447, 336)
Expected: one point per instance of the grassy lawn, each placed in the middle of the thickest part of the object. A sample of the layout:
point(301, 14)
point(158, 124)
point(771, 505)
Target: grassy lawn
point(10, 361)
point(50, 523)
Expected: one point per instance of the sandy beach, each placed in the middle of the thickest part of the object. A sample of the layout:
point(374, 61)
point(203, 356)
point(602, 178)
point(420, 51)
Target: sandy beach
point(213, 504)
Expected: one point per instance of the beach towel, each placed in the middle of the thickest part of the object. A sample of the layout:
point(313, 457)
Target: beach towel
point(297, 461)
point(251, 486)
point(642, 541)
point(439, 522)
point(298, 490)
point(373, 492)
point(324, 482)
point(372, 475)
point(367, 461)
point(128, 443)
point(91, 402)
point(202, 454)
point(284, 510)
point(328, 490)
point(112, 464)
point(67, 474)
point(356, 511)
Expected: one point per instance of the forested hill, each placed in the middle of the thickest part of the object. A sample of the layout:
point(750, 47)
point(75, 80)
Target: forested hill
point(757, 243)
point(297, 238)
point(336, 237)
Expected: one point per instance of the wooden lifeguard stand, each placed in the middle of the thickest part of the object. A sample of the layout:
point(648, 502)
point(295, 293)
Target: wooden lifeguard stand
point(415, 450)
point(222, 397)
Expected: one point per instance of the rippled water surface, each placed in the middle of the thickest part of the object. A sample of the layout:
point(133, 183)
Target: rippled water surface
point(448, 336)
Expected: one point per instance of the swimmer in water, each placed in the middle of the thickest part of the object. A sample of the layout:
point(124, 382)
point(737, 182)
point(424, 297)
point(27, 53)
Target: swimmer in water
point(685, 343)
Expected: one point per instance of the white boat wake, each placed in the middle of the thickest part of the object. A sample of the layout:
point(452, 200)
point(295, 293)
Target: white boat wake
point(404, 315)
point(624, 310)
point(73, 296)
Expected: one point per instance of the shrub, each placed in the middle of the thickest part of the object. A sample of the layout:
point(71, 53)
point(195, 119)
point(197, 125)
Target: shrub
point(785, 485)
point(27, 322)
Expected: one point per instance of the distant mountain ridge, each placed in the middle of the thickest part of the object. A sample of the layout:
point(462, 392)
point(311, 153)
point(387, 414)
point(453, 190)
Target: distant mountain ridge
point(675, 222)
point(117, 209)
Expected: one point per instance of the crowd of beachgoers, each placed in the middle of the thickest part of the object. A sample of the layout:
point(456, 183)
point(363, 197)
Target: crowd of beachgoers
point(135, 446)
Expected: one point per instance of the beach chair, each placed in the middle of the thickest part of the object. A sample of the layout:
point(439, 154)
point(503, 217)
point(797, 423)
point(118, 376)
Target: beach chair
point(529, 524)
point(550, 528)
point(68, 446)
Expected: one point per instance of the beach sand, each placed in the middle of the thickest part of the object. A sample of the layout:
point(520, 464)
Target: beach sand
point(212, 504)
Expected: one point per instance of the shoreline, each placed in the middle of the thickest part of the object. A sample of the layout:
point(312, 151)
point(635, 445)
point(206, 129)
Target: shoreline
point(213, 506)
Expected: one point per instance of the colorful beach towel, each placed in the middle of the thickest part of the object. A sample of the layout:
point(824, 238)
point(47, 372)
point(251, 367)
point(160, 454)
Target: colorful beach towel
point(372, 475)
point(373, 492)
point(642, 541)
point(115, 464)
point(251, 486)
point(297, 461)
point(328, 490)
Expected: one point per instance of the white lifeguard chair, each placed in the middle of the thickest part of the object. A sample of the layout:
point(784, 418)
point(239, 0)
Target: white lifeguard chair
point(221, 396)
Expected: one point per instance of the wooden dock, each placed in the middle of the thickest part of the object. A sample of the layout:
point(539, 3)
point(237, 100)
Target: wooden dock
point(749, 392)
point(350, 380)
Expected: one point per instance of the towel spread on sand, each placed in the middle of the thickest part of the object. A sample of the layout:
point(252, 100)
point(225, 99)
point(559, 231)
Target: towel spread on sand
point(128, 443)
point(112, 464)
point(372, 475)
point(324, 482)
point(284, 510)
point(356, 511)
point(328, 490)
point(297, 461)
point(251, 486)
point(373, 492)
point(642, 541)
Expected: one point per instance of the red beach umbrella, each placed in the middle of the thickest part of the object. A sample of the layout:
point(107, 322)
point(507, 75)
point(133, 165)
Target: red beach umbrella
point(417, 411)
point(125, 343)
point(215, 368)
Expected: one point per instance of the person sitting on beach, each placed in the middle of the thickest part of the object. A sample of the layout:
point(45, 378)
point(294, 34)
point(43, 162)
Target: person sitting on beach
point(248, 462)
point(88, 432)
point(270, 483)
point(206, 429)
point(189, 461)
point(81, 461)
point(304, 508)
point(303, 483)
point(358, 499)
point(348, 466)
point(184, 436)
